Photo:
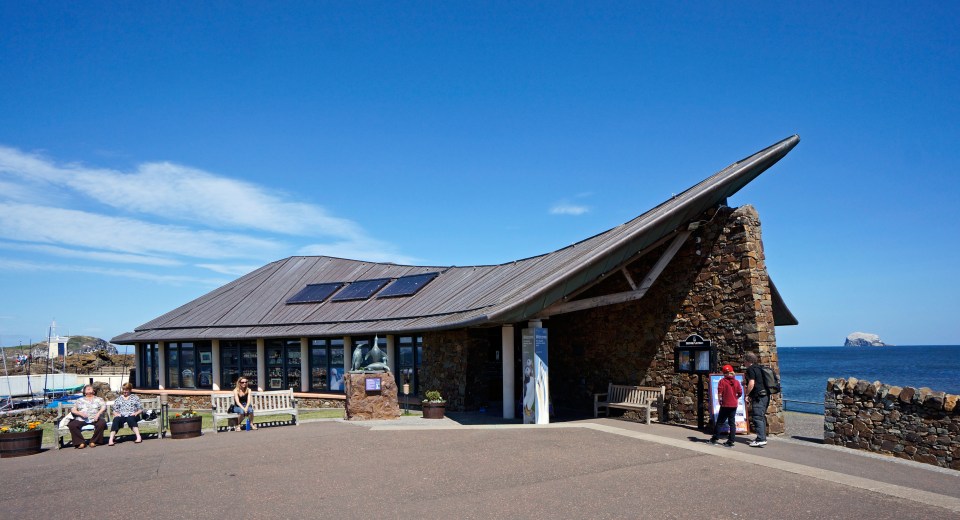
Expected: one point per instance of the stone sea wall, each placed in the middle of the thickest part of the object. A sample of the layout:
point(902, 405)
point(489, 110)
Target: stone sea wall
point(44, 415)
point(915, 424)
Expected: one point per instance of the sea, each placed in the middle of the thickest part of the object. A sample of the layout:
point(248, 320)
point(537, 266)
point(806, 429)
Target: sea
point(804, 371)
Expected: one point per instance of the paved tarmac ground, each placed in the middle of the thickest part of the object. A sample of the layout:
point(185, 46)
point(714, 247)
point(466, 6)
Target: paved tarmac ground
point(418, 468)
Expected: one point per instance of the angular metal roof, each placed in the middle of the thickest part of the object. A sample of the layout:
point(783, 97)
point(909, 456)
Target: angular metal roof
point(255, 305)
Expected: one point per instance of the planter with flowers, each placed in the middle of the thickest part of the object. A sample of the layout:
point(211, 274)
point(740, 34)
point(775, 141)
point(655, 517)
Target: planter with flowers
point(20, 439)
point(433, 405)
point(185, 425)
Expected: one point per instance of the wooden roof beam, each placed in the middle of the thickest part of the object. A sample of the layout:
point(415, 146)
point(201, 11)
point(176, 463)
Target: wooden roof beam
point(636, 294)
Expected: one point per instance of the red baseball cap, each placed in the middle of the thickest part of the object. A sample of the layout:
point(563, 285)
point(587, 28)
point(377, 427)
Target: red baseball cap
point(727, 368)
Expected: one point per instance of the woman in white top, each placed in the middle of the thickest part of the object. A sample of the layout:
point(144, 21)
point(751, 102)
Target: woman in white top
point(126, 410)
point(89, 409)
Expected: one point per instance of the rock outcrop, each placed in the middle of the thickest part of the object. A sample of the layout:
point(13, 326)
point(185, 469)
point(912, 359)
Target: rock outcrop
point(863, 339)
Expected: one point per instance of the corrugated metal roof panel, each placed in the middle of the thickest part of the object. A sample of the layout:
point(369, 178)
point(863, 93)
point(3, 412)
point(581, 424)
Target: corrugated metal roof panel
point(255, 305)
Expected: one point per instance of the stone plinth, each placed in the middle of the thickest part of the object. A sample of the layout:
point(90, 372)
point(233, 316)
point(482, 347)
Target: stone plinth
point(364, 406)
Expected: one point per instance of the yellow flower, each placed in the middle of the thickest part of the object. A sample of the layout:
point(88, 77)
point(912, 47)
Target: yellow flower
point(4, 429)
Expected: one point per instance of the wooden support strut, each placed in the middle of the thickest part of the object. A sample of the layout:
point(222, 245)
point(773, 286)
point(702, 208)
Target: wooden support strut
point(636, 294)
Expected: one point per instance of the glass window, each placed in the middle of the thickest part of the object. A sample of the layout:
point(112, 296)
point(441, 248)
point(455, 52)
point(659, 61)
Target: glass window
point(326, 365)
point(319, 364)
point(238, 358)
point(410, 352)
point(188, 366)
point(336, 365)
point(283, 364)
point(360, 290)
point(184, 360)
point(173, 366)
point(204, 364)
point(407, 285)
point(293, 367)
point(149, 363)
point(248, 363)
point(315, 293)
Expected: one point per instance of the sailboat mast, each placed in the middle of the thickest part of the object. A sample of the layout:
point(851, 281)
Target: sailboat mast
point(7, 374)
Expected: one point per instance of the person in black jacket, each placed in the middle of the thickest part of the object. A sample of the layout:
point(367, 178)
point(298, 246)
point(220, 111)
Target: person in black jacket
point(757, 399)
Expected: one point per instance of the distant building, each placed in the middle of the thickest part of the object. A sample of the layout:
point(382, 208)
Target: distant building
point(615, 305)
point(56, 344)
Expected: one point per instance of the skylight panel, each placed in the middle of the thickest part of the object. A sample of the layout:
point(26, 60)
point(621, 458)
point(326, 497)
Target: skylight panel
point(315, 293)
point(407, 285)
point(360, 290)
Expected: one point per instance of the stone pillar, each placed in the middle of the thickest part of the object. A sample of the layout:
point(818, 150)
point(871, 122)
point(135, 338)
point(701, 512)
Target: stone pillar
point(261, 364)
point(376, 404)
point(304, 365)
point(161, 365)
point(506, 358)
point(392, 353)
point(215, 352)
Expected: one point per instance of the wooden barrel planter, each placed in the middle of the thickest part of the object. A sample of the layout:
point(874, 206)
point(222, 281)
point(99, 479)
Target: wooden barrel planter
point(434, 410)
point(20, 444)
point(185, 428)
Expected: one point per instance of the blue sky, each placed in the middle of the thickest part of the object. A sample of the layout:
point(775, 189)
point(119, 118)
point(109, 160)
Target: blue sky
point(150, 153)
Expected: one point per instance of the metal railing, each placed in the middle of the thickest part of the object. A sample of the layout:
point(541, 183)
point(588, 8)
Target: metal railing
point(805, 408)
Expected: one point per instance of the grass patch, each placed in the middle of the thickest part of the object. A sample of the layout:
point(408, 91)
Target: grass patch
point(207, 423)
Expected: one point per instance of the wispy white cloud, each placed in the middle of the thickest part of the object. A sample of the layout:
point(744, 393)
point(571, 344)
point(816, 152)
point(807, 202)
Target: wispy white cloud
point(14, 265)
point(70, 227)
point(161, 215)
point(100, 256)
point(568, 209)
point(181, 193)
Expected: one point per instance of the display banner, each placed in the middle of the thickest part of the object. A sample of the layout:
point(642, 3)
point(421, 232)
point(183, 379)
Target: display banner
point(535, 376)
point(715, 404)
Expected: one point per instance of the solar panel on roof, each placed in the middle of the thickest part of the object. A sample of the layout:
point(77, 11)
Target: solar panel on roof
point(315, 293)
point(407, 285)
point(360, 290)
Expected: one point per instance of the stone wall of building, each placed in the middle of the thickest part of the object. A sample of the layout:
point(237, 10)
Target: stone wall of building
point(915, 424)
point(452, 364)
point(716, 286)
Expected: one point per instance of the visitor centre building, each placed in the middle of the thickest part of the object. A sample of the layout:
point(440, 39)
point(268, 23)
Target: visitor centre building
point(615, 306)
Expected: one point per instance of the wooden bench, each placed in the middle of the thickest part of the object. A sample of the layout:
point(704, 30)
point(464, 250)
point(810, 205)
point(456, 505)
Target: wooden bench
point(63, 409)
point(637, 398)
point(276, 402)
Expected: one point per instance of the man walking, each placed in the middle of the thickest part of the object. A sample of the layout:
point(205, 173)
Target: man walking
point(757, 399)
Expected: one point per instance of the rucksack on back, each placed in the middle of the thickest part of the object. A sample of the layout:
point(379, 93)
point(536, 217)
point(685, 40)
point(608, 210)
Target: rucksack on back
point(770, 380)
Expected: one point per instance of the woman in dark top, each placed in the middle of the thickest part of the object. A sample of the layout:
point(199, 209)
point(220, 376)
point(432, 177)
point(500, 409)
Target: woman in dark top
point(242, 403)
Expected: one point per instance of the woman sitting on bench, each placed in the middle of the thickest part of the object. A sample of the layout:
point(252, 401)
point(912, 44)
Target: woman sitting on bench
point(89, 409)
point(242, 405)
point(126, 410)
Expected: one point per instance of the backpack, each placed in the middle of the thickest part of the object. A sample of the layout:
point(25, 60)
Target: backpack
point(770, 380)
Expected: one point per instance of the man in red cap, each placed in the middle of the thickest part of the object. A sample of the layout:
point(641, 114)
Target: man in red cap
point(729, 391)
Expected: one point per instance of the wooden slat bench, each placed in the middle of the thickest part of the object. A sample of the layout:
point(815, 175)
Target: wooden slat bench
point(148, 404)
point(627, 397)
point(276, 402)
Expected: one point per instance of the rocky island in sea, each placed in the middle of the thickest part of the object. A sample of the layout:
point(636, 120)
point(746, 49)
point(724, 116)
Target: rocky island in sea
point(864, 339)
